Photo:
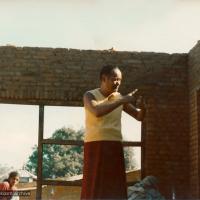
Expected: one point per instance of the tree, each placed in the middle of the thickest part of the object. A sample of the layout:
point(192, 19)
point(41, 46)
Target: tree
point(65, 160)
point(59, 160)
point(129, 158)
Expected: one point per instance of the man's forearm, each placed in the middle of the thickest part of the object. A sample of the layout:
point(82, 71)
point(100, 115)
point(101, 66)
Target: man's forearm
point(105, 108)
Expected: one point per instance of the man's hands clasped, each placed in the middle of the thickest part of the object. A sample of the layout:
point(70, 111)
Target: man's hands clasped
point(134, 98)
point(130, 97)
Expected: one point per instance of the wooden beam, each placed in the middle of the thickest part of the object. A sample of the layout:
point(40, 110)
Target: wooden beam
point(61, 183)
point(40, 150)
point(143, 131)
point(81, 143)
point(132, 144)
point(63, 142)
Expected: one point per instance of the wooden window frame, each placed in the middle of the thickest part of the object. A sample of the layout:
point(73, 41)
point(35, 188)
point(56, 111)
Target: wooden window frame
point(42, 141)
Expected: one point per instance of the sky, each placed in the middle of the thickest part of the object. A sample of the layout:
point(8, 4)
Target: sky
point(169, 26)
point(130, 25)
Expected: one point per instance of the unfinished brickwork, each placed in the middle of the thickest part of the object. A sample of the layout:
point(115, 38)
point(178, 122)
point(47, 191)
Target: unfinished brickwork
point(61, 76)
point(194, 101)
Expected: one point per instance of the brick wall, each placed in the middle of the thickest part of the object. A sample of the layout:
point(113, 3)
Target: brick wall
point(61, 76)
point(194, 96)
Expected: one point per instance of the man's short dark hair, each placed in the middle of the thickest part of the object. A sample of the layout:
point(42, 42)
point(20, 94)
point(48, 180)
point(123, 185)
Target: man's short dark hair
point(107, 70)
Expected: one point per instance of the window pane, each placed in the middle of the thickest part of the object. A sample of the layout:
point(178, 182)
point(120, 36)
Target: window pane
point(60, 117)
point(132, 157)
point(19, 133)
point(62, 161)
point(131, 128)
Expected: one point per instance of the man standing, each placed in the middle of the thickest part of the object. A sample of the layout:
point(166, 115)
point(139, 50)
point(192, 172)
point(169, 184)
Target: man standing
point(104, 168)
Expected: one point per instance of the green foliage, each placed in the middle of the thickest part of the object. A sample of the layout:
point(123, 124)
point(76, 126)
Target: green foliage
point(31, 165)
point(129, 158)
point(59, 160)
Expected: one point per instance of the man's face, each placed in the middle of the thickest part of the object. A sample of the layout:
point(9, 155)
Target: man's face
point(14, 181)
point(113, 81)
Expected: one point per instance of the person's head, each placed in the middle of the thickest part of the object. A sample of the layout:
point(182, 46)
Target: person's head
point(110, 77)
point(13, 178)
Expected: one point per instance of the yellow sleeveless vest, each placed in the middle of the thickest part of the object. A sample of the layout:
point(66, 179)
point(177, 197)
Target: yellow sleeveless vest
point(105, 128)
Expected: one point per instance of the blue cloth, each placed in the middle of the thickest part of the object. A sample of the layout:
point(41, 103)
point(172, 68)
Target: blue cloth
point(145, 190)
